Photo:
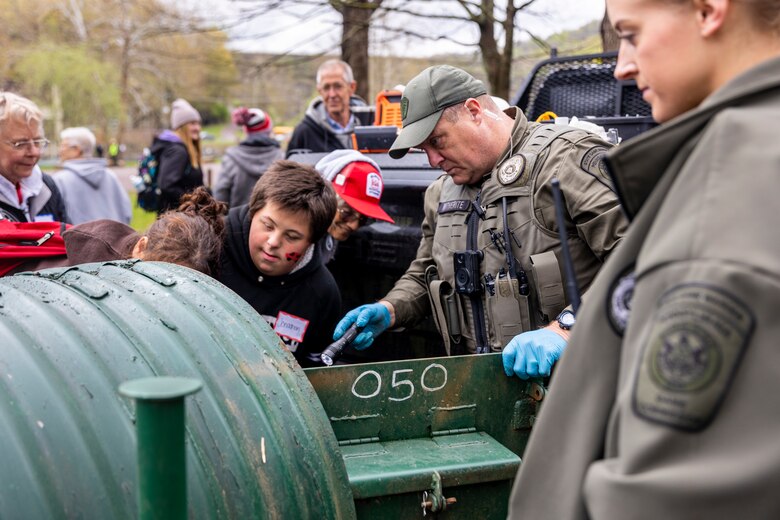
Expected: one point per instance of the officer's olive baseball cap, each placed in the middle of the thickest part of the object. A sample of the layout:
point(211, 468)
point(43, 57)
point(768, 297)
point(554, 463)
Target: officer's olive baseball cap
point(425, 98)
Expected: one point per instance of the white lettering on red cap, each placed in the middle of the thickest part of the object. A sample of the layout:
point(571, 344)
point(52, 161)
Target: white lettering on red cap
point(373, 185)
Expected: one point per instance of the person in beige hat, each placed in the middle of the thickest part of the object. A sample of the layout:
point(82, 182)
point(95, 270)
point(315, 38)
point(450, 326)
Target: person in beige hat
point(488, 264)
point(179, 156)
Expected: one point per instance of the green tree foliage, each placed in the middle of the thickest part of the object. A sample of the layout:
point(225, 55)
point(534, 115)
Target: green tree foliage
point(87, 86)
point(116, 63)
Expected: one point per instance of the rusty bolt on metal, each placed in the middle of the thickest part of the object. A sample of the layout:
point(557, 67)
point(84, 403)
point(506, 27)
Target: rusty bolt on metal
point(432, 505)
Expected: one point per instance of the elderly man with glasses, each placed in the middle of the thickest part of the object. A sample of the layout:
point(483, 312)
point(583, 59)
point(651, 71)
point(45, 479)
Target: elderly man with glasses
point(329, 121)
point(358, 184)
point(26, 193)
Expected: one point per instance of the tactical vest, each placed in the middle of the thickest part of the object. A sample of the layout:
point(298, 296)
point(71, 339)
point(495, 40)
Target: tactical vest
point(509, 306)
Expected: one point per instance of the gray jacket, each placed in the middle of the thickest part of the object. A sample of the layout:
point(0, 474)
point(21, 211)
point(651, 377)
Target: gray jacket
point(242, 166)
point(91, 191)
point(663, 403)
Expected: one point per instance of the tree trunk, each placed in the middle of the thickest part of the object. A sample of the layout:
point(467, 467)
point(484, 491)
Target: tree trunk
point(491, 57)
point(497, 62)
point(609, 38)
point(356, 16)
point(124, 86)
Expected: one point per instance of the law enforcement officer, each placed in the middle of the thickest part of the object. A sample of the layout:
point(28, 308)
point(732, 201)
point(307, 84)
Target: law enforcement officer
point(487, 266)
point(664, 405)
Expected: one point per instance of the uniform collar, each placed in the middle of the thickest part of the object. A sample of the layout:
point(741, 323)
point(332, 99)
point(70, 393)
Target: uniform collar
point(637, 165)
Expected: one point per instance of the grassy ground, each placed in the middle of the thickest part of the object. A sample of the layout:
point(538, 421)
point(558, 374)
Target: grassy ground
point(141, 219)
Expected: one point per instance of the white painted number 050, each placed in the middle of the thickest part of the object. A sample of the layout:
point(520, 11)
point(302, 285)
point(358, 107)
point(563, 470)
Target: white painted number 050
point(397, 382)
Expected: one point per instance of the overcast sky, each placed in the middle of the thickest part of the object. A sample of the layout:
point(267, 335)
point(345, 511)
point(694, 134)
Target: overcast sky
point(300, 28)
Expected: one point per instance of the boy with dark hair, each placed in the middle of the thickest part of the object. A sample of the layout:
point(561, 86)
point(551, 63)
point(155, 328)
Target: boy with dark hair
point(271, 261)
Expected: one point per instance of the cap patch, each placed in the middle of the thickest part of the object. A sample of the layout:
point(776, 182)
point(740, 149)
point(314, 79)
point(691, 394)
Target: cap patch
point(340, 179)
point(373, 186)
point(698, 336)
point(404, 107)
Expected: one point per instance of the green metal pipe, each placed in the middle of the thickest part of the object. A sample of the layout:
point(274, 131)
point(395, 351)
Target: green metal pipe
point(162, 472)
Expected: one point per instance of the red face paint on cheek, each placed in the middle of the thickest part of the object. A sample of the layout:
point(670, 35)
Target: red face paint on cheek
point(293, 257)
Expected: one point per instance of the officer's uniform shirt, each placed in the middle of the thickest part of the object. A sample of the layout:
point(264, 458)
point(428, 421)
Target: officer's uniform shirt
point(664, 404)
point(522, 175)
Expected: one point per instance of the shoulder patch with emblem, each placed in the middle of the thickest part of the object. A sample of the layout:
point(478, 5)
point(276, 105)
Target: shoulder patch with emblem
point(619, 297)
point(593, 163)
point(692, 353)
point(512, 171)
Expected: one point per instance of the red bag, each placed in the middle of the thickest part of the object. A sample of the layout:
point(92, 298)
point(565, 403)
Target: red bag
point(21, 242)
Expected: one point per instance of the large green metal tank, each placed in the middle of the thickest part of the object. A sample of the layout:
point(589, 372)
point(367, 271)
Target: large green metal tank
point(259, 444)
point(264, 439)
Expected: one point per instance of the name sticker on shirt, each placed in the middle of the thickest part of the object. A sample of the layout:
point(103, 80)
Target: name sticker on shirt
point(452, 206)
point(290, 326)
point(694, 349)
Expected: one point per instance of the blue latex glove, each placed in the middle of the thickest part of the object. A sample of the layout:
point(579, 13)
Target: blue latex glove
point(532, 354)
point(374, 318)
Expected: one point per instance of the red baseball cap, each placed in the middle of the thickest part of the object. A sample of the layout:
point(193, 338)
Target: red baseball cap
point(361, 186)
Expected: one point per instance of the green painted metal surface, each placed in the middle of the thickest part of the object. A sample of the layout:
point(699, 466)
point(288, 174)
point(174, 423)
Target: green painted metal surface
point(162, 457)
point(258, 443)
point(400, 422)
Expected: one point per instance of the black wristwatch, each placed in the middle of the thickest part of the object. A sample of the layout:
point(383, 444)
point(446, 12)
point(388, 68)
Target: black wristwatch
point(566, 319)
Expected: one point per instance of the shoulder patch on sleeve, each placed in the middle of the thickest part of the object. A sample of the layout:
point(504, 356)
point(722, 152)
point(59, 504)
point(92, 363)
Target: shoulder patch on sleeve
point(699, 335)
point(593, 163)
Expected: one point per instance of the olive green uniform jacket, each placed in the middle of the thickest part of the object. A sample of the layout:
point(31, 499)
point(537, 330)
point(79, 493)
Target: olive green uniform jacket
point(665, 402)
point(534, 156)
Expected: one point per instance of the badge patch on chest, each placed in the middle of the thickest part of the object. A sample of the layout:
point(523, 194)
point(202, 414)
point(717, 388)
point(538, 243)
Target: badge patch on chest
point(688, 362)
point(512, 170)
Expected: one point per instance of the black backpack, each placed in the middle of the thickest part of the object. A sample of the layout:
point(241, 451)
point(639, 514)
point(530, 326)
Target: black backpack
point(145, 182)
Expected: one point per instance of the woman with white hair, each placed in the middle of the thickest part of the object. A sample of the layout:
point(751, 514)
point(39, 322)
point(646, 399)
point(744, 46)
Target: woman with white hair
point(91, 191)
point(26, 193)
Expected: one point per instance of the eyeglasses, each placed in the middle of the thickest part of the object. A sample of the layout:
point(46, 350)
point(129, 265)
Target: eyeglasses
point(40, 144)
point(338, 87)
point(350, 215)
